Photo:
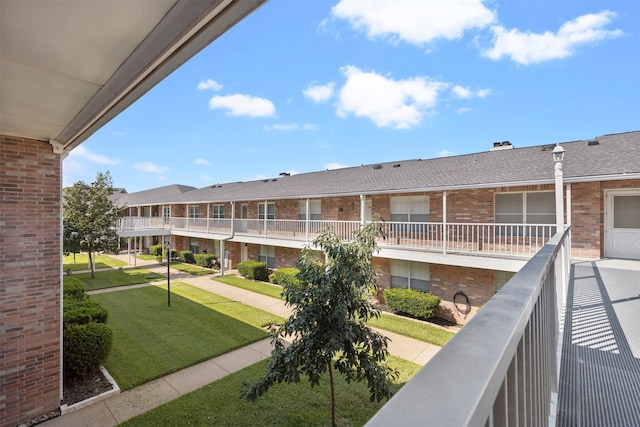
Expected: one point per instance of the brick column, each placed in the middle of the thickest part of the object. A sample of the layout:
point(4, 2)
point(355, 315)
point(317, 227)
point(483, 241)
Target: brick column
point(30, 279)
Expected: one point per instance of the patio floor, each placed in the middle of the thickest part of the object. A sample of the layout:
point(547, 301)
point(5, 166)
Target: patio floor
point(600, 372)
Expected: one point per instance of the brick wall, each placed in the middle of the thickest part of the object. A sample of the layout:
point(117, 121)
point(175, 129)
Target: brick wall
point(286, 257)
point(30, 277)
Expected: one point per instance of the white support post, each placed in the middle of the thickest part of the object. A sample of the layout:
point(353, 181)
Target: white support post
point(222, 258)
point(135, 253)
point(445, 236)
point(233, 217)
point(208, 204)
point(306, 220)
point(568, 204)
point(266, 215)
point(363, 207)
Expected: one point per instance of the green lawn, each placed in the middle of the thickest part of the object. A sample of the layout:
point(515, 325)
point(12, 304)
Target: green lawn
point(191, 269)
point(152, 340)
point(82, 262)
point(408, 327)
point(115, 278)
point(148, 257)
point(251, 285)
point(218, 404)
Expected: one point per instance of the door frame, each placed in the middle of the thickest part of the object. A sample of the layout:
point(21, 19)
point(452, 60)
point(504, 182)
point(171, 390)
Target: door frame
point(609, 215)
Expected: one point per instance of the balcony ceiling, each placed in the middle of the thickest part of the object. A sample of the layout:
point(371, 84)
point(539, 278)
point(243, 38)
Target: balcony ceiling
point(67, 67)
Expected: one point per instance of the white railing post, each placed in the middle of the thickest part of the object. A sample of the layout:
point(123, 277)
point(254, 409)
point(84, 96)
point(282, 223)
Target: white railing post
point(445, 234)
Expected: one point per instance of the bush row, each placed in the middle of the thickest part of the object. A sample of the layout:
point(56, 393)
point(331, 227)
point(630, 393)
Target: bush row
point(421, 305)
point(206, 260)
point(286, 276)
point(254, 270)
point(87, 339)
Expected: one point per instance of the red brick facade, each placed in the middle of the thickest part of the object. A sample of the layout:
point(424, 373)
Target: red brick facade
point(30, 279)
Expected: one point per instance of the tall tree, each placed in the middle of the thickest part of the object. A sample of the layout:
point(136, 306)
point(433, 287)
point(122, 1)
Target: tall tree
point(88, 211)
point(327, 326)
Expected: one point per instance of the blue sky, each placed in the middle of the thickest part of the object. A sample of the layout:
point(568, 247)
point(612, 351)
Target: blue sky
point(301, 86)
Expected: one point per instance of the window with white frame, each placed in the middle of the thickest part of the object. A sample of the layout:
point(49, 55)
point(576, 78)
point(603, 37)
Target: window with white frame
point(268, 255)
point(166, 211)
point(410, 274)
point(194, 211)
point(218, 211)
point(315, 210)
point(500, 278)
point(410, 208)
point(194, 245)
point(267, 211)
point(523, 208)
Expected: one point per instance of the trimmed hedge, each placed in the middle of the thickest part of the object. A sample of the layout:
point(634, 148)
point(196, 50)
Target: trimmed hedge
point(82, 311)
point(421, 305)
point(254, 270)
point(186, 256)
point(206, 260)
point(174, 254)
point(86, 347)
point(156, 249)
point(286, 276)
point(73, 288)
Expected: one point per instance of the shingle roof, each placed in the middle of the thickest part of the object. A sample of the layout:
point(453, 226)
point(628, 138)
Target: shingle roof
point(609, 155)
point(152, 196)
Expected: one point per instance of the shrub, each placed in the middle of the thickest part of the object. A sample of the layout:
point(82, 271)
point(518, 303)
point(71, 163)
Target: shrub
point(73, 288)
point(206, 260)
point(186, 256)
point(285, 276)
point(82, 311)
point(421, 305)
point(86, 347)
point(254, 270)
point(156, 249)
point(174, 254)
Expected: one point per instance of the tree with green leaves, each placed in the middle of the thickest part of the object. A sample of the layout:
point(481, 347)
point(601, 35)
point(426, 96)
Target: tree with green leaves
point(71, 241)
point(90, 216)
point(327, 328)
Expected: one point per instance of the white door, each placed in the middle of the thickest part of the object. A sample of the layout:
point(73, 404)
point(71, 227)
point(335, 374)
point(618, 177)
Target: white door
point(622, 219)
point(368, 208)
point(243, 252)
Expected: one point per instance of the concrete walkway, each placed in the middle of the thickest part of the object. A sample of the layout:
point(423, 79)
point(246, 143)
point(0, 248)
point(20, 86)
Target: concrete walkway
point(123, 406)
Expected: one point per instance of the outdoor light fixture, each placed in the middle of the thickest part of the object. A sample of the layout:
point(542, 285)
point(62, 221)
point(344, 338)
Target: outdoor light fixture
point(558, 156)
point(168, 274)
point(558, 153)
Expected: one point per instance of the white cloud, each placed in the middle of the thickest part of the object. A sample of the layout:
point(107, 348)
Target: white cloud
point(483, 93)
point(84, 153)
point(398, 104)
point(319, 93)
point(203, 162)
point(446, 153)
point(333, 165)
point(283, 127)
point(462, 92)
point(244, 105)
point(414, 21)
point(209, 84)
point(530, 48)
point(309, 126)
point(463, 110)
point(150, 167)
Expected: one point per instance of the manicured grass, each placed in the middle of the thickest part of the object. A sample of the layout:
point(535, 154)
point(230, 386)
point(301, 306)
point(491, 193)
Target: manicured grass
point(191, 269)
point(250, 285)
point(152, 340)
point(409, 327)
point(218, 404)
point(115, 278)
point(148, 257)
point(82, 262)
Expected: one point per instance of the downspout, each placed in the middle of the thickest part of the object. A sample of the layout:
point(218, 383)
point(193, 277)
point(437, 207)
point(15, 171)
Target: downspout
point(445, 233)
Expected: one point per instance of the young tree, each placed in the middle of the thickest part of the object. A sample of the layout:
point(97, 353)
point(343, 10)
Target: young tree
point(88, 211)
point(327, 326)
point(71, 241)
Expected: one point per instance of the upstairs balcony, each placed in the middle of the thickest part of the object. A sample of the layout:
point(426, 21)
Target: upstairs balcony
point(491, 239)
point(558, 345)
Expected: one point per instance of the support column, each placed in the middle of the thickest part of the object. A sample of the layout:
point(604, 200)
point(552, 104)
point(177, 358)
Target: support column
point(363, 207)
point(445, 234)
point(568, 204)
point(222, 258)
point(306, 220)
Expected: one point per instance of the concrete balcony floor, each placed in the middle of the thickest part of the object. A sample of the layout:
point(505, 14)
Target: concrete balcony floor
point(600, 371)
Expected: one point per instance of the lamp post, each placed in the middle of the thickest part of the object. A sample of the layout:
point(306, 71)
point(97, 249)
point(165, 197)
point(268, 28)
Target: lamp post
point(168, 275)
point(558, 156)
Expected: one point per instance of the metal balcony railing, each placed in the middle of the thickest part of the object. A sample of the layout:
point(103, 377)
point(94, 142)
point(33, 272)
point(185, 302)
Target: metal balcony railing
point(502, 368)
point(509, 240)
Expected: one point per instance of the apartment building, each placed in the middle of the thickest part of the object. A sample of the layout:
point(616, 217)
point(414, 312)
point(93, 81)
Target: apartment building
point(458, 227)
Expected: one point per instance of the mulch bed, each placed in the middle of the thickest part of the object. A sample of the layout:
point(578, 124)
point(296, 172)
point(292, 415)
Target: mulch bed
point(78, 389)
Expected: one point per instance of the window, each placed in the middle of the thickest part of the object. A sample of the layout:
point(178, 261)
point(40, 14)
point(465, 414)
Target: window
point(218, 211)
point(626, 212)
point(500, 278)
point(410, 274)
point(194, 211)
point(194, 245)
point(268, 255)
point(270, 211)
point(410, 208)
point(524, 208)
point(166, 211)
point(315, 212)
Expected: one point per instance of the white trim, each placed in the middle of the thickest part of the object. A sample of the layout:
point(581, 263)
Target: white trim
point(608, 216)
